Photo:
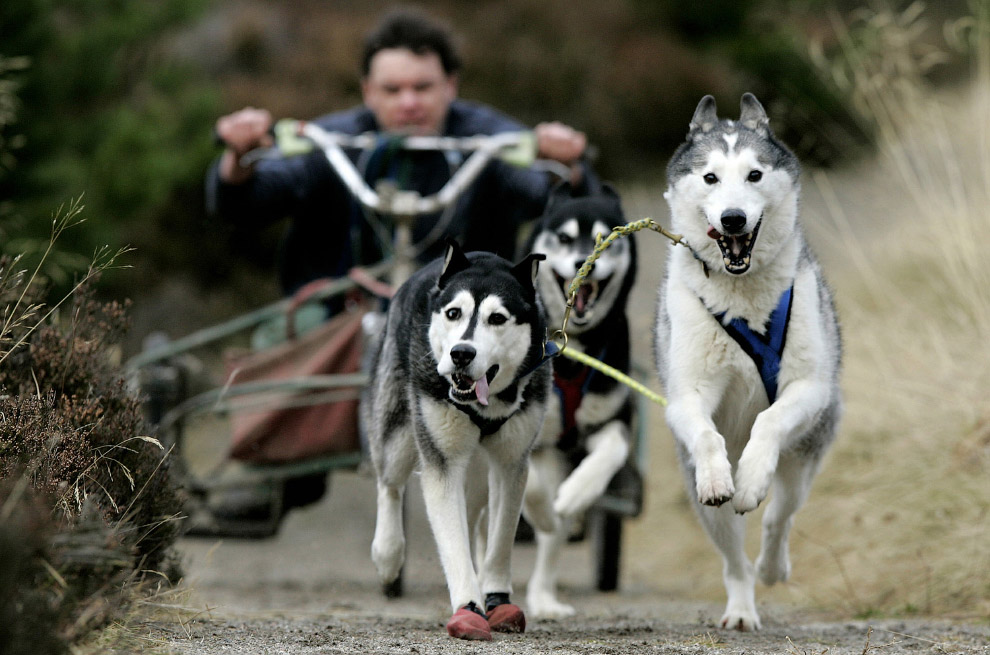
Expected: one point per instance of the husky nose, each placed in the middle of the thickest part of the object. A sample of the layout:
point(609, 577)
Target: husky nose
point(733, 220)
point(578, 263)
point(462, 354)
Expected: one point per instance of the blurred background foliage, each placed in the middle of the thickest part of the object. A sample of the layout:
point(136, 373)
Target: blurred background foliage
point(114, 101)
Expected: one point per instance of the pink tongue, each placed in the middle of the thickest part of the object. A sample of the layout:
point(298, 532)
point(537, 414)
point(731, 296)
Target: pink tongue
point(481, 390)
point(713, 233)
point(580, 299)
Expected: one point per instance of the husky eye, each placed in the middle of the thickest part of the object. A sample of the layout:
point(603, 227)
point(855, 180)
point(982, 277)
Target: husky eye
point(711, 178)
point(565, 239)
point(497, 319)
point(453, 314)
point(754, 176)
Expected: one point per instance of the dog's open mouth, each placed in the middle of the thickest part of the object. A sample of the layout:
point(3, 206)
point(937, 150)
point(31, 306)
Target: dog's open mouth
point(586, 294)
point(737, 250)
point(463, 389)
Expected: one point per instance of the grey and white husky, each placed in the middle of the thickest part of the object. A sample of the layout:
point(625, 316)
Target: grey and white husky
point(747, 342)
point(585, 439)
point(456, 381)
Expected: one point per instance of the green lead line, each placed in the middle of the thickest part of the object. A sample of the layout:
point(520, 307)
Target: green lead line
point(602, 367)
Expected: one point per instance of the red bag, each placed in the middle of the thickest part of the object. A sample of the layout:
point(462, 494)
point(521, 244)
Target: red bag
point(280, 434)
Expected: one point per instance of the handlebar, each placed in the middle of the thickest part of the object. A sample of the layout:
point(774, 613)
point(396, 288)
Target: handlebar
point(294, 137)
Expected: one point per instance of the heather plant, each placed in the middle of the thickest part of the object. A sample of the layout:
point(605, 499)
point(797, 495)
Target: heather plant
point(73, 441)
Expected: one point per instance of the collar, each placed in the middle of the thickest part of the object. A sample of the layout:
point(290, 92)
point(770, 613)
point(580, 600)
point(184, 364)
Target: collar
point(489, 426)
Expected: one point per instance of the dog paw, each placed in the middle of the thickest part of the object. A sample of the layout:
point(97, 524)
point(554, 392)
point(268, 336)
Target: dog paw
point(714, 484)
point(746, 500)
point(772, 570)
point(746, 620)
point(470, 624)
point(574, 497)
point(546, 606)
point(388, 556)
point(753, 477)
point(506, 618)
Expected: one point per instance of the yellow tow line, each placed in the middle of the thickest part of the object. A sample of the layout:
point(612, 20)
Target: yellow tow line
point(561, 334)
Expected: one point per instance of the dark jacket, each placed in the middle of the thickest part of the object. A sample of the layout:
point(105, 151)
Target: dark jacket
point(329, 232)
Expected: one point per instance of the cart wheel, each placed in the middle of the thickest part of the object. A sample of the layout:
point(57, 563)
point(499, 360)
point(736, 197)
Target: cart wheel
point(607, 550)
point(393, 589)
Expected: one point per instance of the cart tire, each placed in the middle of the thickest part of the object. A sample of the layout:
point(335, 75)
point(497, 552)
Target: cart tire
point(393, 589)
point(607, 550)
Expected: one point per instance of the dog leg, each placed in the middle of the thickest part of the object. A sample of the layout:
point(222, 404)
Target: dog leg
point(545, 475)
point(792, 483)
point(388, 547)
point(476, 490)
point(727, 531)
point(541, 592)
point(443, 492)
point(508, 457)
point(507, 483)
point(694, 428)
point(775, 428)
point(546, 471)
point(607, 452)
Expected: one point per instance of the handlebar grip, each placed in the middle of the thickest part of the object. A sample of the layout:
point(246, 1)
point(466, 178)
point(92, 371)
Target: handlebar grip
point(522, 153)
point(288, 138)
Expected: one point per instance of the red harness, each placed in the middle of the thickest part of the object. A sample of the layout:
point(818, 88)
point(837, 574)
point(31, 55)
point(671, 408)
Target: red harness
point(570, 391)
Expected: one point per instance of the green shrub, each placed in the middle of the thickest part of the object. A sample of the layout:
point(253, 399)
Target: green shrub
point(73, 440)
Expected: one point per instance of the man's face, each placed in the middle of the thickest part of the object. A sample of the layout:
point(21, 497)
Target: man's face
point(408, 92)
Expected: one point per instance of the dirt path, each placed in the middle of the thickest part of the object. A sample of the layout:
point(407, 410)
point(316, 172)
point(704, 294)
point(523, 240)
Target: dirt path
point(312, 589)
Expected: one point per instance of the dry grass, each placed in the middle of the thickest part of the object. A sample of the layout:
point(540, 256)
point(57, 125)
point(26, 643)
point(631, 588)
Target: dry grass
point(899, 519)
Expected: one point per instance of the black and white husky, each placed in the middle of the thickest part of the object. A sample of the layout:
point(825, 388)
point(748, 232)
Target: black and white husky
point(585, 439)
point(747, 342)
point(456, 381)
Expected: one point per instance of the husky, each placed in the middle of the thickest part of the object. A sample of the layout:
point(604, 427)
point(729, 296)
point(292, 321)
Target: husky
point(747, 342)
point(457, 379)
point(585, 438)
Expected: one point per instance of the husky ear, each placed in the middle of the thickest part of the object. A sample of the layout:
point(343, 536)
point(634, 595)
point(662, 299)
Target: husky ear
point(751, 113)
point(560, 193)
point(704, 116)
point(454, 261)
point(525, 271)
point(609, 190)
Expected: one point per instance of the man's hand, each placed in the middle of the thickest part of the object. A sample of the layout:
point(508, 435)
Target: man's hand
point(561, 143)
point(242, 132)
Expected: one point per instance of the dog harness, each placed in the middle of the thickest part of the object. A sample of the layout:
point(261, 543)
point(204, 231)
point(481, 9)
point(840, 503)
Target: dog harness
point(765, 350)
point(570, 392)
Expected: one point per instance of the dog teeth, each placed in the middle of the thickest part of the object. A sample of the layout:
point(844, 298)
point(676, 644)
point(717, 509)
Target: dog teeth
point(737, 251)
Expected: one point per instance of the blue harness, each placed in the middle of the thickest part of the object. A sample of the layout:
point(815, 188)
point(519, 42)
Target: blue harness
point(764, 350)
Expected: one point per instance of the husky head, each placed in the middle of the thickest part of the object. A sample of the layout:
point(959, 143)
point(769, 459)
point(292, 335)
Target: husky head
point(733, 187)
point(486, 322)
point(566, 233)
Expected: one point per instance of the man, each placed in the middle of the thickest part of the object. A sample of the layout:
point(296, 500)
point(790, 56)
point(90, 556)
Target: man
point(409, 85)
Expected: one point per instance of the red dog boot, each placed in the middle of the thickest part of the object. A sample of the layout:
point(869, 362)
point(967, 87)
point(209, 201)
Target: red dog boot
point(502, 615)
point(469, 623)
